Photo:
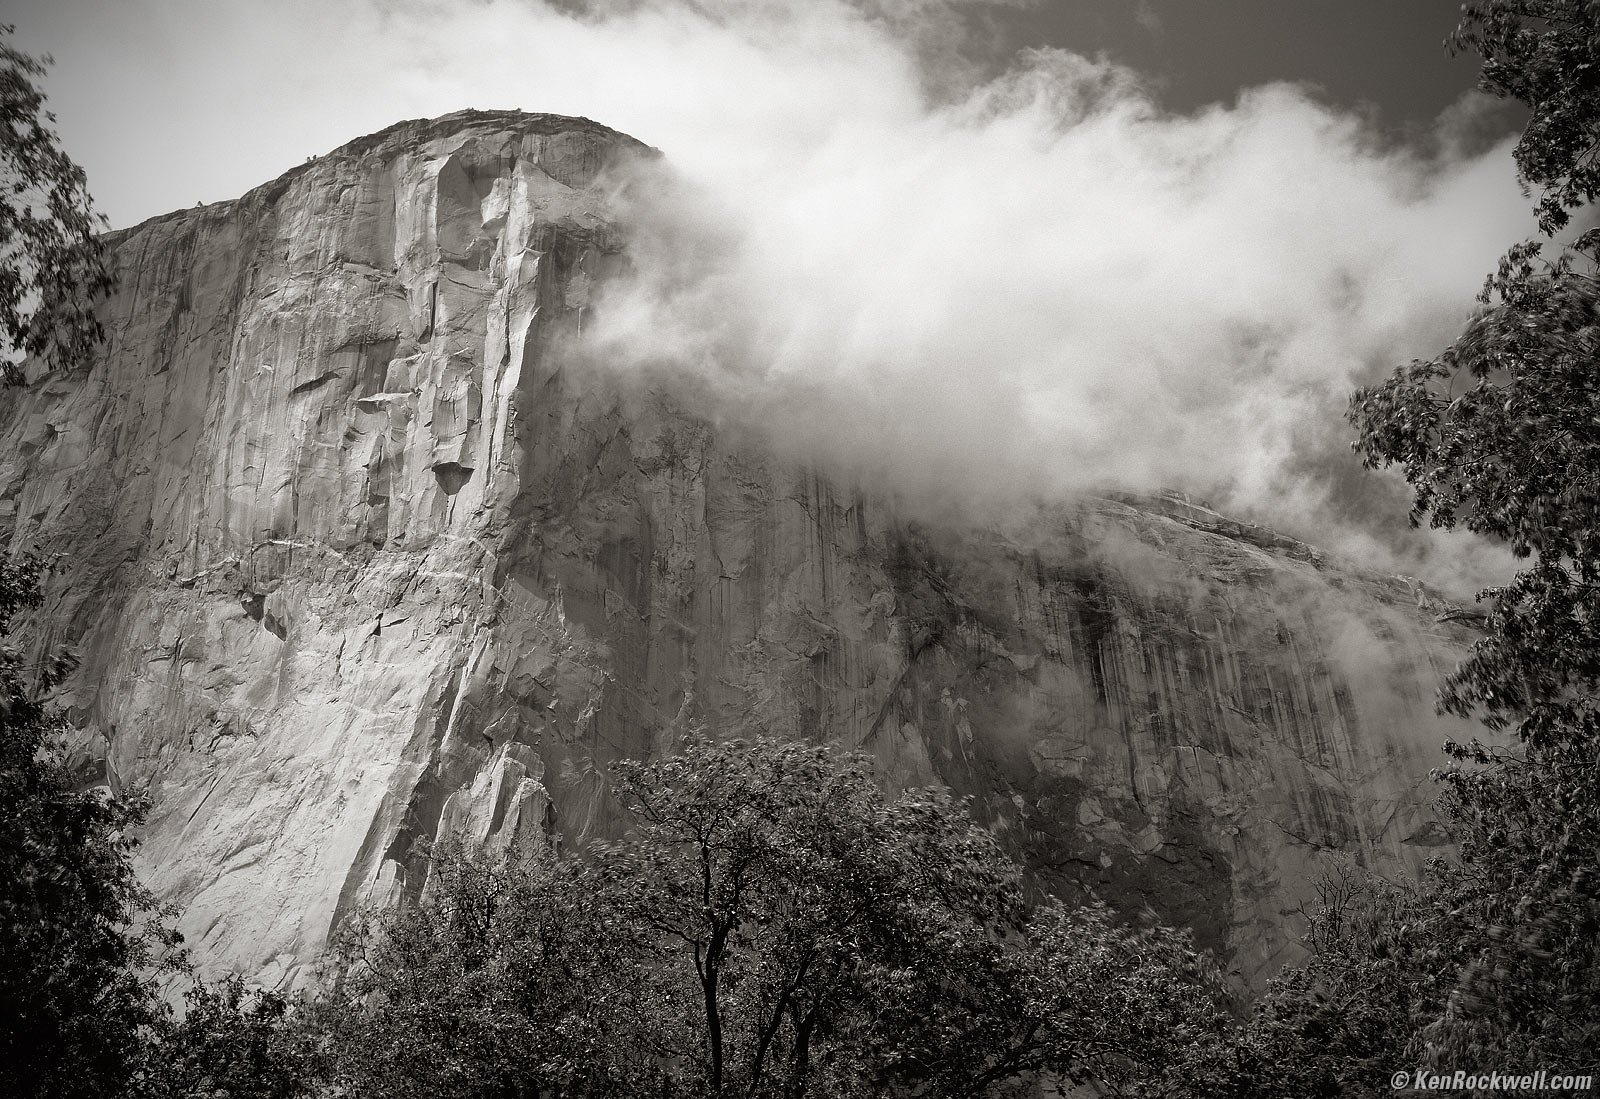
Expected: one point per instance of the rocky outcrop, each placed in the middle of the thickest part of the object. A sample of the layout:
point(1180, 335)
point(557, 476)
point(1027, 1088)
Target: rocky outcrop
point(359, 552)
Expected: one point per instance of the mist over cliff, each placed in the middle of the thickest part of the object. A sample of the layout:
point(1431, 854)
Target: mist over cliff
point(1049, 284)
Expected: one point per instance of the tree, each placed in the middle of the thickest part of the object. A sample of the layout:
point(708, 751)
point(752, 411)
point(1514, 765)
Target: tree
point(1545, 54)
point(232, 1042)
point(821, 937)
point(1501, 435)
point(513, 976)
point(52, 264)
point(80, 937)
point(773, 925)
point(1341, 1022)
point(77, 935)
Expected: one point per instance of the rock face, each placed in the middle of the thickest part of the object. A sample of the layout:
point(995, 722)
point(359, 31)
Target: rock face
point(359, 555)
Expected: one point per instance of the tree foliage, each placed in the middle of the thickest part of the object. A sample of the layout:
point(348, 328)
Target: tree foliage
point(77, 937)
point(83, 944)
point(1500, 434)
point(1353, 1012)
point(231, 1042)
point(512, 977)
point(52, 262)
point(1545, 54)
point(774, 925)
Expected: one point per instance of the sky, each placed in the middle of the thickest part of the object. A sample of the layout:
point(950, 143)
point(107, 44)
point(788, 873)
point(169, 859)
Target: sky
point(169, 102)
point(982, 249)
point(1386, 56)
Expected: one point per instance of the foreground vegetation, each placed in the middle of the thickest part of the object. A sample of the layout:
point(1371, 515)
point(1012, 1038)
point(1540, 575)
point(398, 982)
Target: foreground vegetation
point(775, 924)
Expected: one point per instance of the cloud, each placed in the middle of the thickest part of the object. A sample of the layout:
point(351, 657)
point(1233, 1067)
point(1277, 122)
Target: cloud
point(965, 287)
point(1050, 284)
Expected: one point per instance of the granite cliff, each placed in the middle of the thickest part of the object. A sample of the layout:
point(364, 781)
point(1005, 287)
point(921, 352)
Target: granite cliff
point(358, 553)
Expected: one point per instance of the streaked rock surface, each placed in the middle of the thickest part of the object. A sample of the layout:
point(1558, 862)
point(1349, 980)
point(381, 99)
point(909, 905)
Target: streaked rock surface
point(357, 553)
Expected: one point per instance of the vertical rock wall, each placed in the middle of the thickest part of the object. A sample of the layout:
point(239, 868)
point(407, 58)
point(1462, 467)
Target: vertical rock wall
point(356, 554)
